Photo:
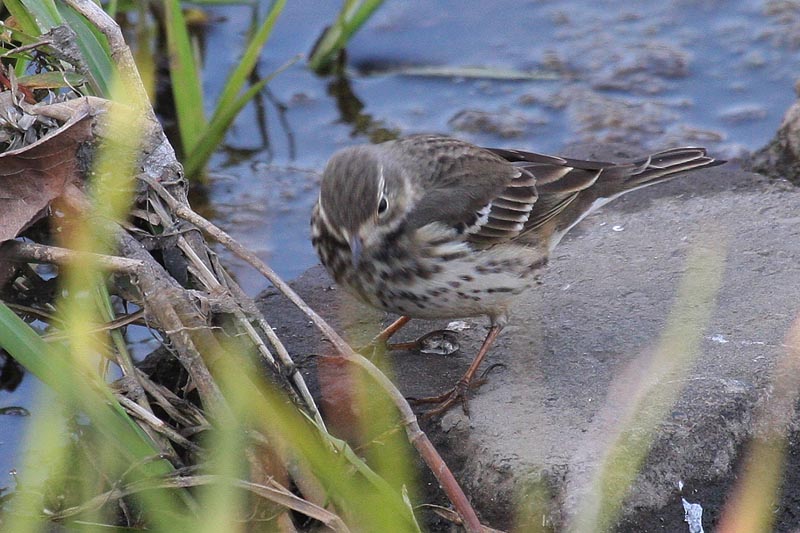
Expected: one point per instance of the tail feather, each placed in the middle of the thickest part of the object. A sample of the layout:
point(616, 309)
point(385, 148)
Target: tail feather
point(665, 165)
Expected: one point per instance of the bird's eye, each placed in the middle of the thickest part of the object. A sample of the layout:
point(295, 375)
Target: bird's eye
point(383, 206)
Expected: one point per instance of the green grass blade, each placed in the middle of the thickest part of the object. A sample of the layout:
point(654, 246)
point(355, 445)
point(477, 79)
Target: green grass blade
point(230, 103)
point(668, 366)
point(124, 439)
point(38, 16)
point(51, 80)
point(95, 51)
point(357, 16)
point(25, 19)
point(22, 36)
point(213, 135)
point(44, 12)
point(49, 364)
point(368, 501)
point(24, 344)
point(238, 78)
point(353, 15)
point(111, 8)
point(22, 59)
point(186, 87)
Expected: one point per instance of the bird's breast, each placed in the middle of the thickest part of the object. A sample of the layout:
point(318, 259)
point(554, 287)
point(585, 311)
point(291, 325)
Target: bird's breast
point(435, 273)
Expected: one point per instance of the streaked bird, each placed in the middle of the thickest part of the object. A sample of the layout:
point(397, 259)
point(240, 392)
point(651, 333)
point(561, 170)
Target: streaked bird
point(435, 227)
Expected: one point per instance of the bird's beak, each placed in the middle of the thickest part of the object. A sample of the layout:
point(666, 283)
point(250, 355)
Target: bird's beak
point(356, 245)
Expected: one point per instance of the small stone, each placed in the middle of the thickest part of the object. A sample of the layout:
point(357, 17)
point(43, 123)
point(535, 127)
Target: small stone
point(504, 123)
point(743, 113)
point(440, 342)
point(453, 419)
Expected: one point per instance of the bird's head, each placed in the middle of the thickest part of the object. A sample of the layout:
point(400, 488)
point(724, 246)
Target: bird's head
point(364, 196)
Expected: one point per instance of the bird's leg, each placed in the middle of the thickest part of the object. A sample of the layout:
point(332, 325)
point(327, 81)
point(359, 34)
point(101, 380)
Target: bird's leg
point(393, 328)
point(381, 339)
point(440, 341)
point(460, 391)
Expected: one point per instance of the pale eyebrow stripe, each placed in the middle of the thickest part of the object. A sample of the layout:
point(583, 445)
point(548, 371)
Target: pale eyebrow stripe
point(381, 181)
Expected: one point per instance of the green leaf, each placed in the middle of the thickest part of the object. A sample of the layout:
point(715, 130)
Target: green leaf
point(50, 363)
point(28, 34)
point(25, 19)
point(95, 51)
point(40, 16)
point(213, 135)
point(238, 78)
point(21, 36)
point(352, 16)
point(51, 80)
point(54, 366)
point(44, 12)
point(186, 87)
point(230, 103)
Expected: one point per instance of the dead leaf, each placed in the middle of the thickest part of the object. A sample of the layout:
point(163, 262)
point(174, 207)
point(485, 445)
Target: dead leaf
point(33, 176)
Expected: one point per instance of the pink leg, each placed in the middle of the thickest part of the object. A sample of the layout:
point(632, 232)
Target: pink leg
point(393, 328)
point(459, 392)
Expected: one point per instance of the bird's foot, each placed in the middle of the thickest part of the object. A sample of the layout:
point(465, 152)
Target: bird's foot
point(439, 342)
point(445, 401)
point(458, 394)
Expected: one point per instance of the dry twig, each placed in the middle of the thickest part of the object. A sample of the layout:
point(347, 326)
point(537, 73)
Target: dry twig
point(175, 311)
point(415, 435)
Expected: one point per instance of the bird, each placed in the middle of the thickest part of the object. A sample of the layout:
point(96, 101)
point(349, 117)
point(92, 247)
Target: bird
point(433, 227)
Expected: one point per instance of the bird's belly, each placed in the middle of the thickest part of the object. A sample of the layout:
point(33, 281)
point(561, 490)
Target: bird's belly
point(483, 282)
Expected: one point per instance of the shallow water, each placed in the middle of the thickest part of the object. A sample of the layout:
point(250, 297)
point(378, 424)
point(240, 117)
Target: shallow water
point(653, 74)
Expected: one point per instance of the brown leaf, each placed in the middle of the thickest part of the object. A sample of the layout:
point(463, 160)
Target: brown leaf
point(33, 176)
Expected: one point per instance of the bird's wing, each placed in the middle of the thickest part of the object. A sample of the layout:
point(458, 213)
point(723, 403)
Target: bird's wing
point(569, 189)
point(466, 187)
point(506, 213)
point(490, 195)
point(559, 181)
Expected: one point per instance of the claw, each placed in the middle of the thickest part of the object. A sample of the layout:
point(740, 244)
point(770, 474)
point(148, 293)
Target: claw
point(485, 374)
point(465, 384)
point(458, 394)
point(445, 402)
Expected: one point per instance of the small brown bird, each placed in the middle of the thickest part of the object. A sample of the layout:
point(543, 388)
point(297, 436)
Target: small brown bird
point(434, 227)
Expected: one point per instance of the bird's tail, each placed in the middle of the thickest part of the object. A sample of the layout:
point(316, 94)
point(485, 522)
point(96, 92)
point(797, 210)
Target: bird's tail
point(660, 167)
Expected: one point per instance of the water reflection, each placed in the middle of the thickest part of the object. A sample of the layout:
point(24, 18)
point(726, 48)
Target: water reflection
point(351, 111)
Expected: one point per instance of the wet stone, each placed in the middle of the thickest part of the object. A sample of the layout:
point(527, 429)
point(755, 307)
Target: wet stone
point(505, 123)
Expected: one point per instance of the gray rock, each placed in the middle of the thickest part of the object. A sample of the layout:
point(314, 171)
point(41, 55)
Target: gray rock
point(504, 123)
point(781, 156)
point(580, 346)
